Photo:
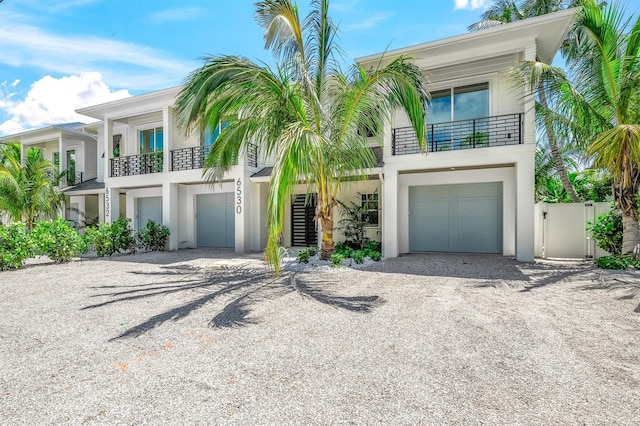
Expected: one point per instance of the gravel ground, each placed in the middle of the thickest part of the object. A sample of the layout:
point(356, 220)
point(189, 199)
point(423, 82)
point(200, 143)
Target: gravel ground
point(203, 337)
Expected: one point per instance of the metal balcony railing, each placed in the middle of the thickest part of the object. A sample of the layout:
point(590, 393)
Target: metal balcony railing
point(141, 164)
point(193, 157)
point(482, 132)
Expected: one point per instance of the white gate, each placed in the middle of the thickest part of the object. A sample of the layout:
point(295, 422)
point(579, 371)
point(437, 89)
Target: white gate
point(561, 230)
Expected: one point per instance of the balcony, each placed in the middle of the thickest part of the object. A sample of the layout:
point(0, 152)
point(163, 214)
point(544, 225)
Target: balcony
point(132, 165)
point(193, 157)
point(482, 132)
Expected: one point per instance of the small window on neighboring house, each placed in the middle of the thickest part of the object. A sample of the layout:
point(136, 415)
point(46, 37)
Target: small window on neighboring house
point(370, 204)
point(210, 135)
point(151, 140)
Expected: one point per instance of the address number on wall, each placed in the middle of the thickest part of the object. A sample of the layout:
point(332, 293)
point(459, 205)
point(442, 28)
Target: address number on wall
point(238, 196)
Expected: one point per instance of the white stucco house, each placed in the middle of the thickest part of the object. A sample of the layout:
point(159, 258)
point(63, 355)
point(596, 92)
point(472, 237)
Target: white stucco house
point(472, 192)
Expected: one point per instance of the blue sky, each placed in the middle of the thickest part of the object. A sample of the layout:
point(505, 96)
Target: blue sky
point(59, 55)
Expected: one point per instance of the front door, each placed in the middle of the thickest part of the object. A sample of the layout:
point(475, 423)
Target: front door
point(303, 227)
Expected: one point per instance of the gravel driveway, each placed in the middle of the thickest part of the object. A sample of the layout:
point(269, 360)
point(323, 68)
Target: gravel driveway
point(202, 337)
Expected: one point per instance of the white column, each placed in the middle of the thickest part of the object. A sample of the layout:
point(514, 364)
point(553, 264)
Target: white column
point(170, 212)
point(23, 153)
point(167, 129)
point(390, 214)
point(111, 204)
point(258, 216)
point(525, 216)
point(529, 133)
point(101, 207)
point(242, 207)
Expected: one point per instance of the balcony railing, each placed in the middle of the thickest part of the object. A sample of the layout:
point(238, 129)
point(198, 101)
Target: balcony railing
point(483, 132)
point(141, 164)
point(194, 157)
point(70, 179)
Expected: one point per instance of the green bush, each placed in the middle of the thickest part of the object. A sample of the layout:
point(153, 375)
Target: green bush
point(109, 238)
point(336, 260)
point(153, 236)
point(617, 262)
point(358, 256)
point(15, 246)
point(375, 255)
point(305, 254)
point(607, 231)
point(344, 249)
point(58, 240)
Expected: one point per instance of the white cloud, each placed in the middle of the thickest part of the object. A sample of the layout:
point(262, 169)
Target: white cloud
point(120, 63)
point(367, 23)
point(54, 101)
point(182, 14)
point(469, 4)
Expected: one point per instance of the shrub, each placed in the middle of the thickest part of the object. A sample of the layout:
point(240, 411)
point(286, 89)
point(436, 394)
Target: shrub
point(153, 236)
point(375, 255)
point(607, 231)
point(15, 246)
point(336, 260)
point(58, 240)
point(109, 238)
point(344, 249)
point(358, 256)
point(617, 262)
point(303, 256)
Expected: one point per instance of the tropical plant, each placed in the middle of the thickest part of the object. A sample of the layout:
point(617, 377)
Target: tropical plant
point(58, 240)
point(606, 231)
point(599, 101)
point(28, 189)
point(354, 222)
point(306, 114)
point(109, 238)
point(15, 246)
point(153, 236)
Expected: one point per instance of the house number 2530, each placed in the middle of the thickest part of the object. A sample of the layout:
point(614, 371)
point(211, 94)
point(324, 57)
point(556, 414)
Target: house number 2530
point(238, 196)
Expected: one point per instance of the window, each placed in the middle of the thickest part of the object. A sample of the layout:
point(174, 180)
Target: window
point(151, 140)
point(116, 145)
point(209, 136)
point(370, 205)
point(457, 105)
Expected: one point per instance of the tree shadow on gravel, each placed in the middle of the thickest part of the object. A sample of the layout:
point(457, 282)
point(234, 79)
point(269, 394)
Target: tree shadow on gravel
point(238, 288)
point(624, 282)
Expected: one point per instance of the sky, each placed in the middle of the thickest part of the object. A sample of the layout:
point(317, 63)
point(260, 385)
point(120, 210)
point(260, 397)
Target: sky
point(60, 55)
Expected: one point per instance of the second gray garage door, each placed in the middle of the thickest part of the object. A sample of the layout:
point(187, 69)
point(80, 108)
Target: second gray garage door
point(456, 218)
point(216, 220)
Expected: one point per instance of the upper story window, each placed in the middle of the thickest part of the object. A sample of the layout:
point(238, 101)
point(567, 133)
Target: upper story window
point(459, 103)
point(210, 135)
point(151, 140)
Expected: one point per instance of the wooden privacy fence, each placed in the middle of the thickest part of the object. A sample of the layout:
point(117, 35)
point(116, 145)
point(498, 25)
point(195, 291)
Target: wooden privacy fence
point(560, 230)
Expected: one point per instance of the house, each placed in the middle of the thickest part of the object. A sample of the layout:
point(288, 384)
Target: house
point(472, 192)
point(71, 149)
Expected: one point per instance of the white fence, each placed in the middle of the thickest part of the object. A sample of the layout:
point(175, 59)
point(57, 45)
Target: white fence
point(560, 230)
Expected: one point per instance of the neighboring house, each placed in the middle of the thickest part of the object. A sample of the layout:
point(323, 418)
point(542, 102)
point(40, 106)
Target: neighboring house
point(472, 192)
point(72, 150)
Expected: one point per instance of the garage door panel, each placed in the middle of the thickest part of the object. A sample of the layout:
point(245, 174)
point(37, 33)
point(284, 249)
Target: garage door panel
point(149, 208)
point(468, 219)
point(216, 220)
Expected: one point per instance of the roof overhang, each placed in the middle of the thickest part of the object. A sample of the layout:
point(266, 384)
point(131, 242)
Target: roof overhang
point(545, 32)
point(132, 106)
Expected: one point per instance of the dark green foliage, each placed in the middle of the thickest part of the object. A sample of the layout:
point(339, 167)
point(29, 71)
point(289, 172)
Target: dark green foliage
point(153, 236)
point(305, 254)
point(590, 185)
point(617, 262)
point(372, 249)
point(15, 246)
point(58, 240)
point(109, 238)
point(336, 260)
point(375, 255)
point(355, 220)
point(344, 249)
point(607, 231)
point(358, 256)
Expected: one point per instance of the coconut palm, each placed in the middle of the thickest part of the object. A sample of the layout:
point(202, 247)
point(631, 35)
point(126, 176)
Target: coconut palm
point(27, 190)
point(505, 11)
point(306, 114)
point(600, 102)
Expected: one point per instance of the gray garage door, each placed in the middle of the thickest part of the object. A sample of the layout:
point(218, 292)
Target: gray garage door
point(149, 208)
point(216, 220)
point(456, 218)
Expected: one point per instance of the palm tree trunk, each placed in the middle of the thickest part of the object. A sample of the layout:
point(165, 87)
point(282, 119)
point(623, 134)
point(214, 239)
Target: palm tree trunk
point(325, 215)
point(555, 151)
point(626, 201)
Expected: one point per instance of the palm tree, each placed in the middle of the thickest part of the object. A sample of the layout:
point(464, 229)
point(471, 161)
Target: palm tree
point(27, 190)
point(505, 11)
point(306, 114)
point(600, 103)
